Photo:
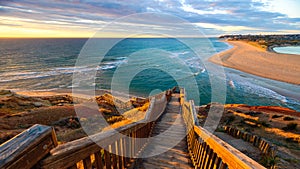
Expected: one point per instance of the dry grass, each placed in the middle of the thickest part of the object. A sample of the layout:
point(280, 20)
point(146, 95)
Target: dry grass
point(130, 116)
point(259, 46)
point(267, 122)
point(283, 133)
point(246, 116)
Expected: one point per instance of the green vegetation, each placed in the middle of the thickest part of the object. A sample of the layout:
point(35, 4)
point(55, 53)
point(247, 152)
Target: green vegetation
point(266, 41)
point(264, 123)
point(253, 114)
point(270, 161)
point(290, 126)
point(230, 119)
point(276, 116)
point(287, 118)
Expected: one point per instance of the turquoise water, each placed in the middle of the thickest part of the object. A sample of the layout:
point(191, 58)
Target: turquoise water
point(47, 64)
point(288, 50)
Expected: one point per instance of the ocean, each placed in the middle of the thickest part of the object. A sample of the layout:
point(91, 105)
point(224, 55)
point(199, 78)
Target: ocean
point(151, 64)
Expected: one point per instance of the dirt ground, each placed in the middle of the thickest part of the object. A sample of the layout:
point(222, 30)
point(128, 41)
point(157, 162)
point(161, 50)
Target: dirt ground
point(19, 111)
point(279, 126)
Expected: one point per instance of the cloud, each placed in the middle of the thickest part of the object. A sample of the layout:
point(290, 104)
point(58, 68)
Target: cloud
point(215, 16)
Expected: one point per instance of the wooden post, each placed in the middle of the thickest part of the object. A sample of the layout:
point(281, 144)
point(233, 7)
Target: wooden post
point(87, 164)
point(98, 160)
point(27, 148)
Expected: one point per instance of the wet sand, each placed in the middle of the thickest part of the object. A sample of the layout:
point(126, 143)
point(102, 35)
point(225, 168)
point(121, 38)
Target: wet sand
point(253, 60)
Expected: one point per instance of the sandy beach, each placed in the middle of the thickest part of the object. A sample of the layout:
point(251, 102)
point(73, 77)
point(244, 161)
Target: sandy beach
point(253, 60)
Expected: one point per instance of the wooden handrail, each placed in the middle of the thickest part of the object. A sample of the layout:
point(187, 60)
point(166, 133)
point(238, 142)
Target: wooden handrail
point(205, 149)
point(229, 155)
point(27, 148)
point(120, 146)
point(117, 150)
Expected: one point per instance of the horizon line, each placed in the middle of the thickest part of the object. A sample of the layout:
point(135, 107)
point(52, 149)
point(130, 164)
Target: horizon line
point(103, 37)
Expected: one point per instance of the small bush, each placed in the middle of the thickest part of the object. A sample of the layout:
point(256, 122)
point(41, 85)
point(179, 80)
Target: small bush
point(253, 113)
point(239, 111)
point(265, 124)
point(230, 119)
point(291, 140)
point(247, 130)
point(115, 119)
point(276, 116)
point(269, 161)
point(287, 118)
point(290, 126)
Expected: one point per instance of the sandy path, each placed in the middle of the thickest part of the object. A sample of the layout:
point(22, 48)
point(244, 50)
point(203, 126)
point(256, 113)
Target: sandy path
point(247, 58)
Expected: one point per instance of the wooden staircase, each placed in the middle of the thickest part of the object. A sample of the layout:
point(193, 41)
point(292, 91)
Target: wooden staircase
point(166, 132)
point(171, 139)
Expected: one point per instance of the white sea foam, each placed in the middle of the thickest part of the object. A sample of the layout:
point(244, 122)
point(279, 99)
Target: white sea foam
point(249, 87)
point(13, 76)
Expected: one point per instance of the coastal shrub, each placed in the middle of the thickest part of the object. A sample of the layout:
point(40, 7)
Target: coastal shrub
point(230, 119)
point(276, 116)
point(69, 122)
point(115, 119)
point(292, 140)
point(251, 120)
point(248, 130)
point(239, 111)
point(220, 129)
point(253, 113)
point(287, 118)
point(70, 135)
point(270, 161)
point(290, 126)
point(264, 123)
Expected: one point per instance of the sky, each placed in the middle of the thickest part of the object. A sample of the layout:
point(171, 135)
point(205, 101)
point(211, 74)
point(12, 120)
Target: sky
point(82, 18)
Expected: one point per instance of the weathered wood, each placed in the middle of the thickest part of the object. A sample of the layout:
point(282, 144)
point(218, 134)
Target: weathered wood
point(206, 150)
point(217, 163)
point(213, 150)
point(223, 165)
point(208, 157)
point(98, 160)
point(125, 151)
point(120, 153)
point(114, 156)
point(229, 155)
point(27, 148)
point(212, 162)
point(107, 158)
point(172, 126)
point(263, 145)
point(87, 164)
point(73, 166)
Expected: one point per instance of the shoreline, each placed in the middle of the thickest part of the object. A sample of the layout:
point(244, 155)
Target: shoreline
point(267, 64)
point(82, 94)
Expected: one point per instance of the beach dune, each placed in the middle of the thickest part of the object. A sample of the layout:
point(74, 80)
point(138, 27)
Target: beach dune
point(253, 60)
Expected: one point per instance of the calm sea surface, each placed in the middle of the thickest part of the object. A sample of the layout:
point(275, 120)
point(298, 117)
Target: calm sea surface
point(288, 49)
point(48, 64)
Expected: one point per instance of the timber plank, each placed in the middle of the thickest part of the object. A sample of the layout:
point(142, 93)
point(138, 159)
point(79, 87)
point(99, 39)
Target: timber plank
point(27, 148)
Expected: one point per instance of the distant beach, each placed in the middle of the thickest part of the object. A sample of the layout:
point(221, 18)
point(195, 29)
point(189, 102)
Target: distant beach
point(253, 60)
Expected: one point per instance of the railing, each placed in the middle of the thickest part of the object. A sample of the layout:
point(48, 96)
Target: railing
point(263, 145)
point(27, 148)
point(118, 147)
point(37, 147)
point(207, 150)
